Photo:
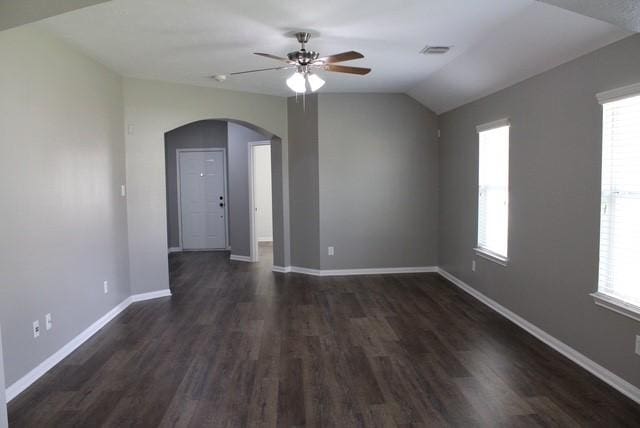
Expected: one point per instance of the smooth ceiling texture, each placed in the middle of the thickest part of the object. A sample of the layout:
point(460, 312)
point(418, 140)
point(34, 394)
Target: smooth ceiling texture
point(623, 13)
point(188, 41)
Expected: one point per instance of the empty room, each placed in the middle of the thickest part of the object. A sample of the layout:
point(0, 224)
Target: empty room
point(383, 213)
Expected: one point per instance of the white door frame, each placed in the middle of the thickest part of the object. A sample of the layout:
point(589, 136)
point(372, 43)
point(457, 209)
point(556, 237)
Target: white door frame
point(254, 253)
point(224, 186)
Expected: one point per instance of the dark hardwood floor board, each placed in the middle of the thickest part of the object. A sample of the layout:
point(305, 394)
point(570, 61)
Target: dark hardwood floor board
point(238, 345)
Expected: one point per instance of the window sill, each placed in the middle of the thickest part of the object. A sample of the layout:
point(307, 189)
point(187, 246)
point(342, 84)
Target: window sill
point(491, 256)
point(617, 305)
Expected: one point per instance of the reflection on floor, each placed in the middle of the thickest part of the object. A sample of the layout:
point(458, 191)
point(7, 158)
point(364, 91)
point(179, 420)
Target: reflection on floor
point(238, 345)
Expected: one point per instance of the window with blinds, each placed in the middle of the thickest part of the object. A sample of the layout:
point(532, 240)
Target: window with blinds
point(620, 209)
point(493, 189)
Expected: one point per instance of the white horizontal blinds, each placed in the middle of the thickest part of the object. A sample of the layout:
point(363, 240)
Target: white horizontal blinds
point(620, 216)
point(493, 192)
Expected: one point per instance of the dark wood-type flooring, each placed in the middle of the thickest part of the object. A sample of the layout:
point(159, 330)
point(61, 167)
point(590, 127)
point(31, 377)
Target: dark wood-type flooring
point(238, 345)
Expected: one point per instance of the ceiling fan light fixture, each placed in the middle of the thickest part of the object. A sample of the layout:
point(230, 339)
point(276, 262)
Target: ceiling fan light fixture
point(315, 82)
point(297, 83)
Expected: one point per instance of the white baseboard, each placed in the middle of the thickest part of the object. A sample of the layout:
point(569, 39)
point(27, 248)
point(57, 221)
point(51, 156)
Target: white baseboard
point(349, 272)
point(150, 295)
point(265, 239)
point(586, 363)
point(175, 249)
point(239, 258)
point(25, 381)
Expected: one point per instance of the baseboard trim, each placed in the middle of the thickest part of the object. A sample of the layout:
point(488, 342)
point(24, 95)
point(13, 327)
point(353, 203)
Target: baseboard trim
point(350, 272)
point(151, 295)
point(265, 239)
point(583, 361)
point(175, 250)
point(27, 380)
point(281, 269)
point(239, 258)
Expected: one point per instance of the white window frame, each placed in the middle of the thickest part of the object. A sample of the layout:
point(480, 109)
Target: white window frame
point(485, 253)
point(602, 299)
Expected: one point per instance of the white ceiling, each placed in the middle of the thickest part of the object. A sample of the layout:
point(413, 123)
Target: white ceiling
point(495, 42)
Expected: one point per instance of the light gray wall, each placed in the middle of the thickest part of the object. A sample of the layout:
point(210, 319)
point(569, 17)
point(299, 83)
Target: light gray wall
point(197, 135)
point(62, 162)
point(239, 138)
point(3, 406)
point(280, 201)
point(555, 162)
point(151, 109)
point(378, 158)
point(16, 13)
point(304, 181)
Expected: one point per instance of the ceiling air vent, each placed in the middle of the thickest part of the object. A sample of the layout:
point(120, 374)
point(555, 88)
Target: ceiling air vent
point(435, 50)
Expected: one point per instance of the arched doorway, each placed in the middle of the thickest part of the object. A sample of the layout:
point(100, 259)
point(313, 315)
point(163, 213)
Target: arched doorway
point(233, 141)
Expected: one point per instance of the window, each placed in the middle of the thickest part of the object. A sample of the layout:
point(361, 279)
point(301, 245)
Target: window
point(618, 280)
point(493, 191)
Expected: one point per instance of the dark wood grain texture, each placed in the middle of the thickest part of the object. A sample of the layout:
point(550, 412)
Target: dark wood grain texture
point(237, 345)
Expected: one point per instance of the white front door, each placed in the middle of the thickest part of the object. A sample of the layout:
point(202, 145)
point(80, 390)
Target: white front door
point(202, 200)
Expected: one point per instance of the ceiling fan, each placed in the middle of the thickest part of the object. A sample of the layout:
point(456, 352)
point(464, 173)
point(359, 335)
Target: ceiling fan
point(305, 62)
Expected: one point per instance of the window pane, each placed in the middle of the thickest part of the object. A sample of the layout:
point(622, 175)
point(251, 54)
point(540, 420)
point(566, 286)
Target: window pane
point(620, 214)
point(493, 193)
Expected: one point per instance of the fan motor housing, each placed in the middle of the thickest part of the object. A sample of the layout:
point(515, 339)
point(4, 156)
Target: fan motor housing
point(303, 56)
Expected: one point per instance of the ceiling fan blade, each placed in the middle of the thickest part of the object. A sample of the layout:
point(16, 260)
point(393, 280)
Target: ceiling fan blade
point(344, 56)
point(260, 69)
point(277, 58)
point(346, 69)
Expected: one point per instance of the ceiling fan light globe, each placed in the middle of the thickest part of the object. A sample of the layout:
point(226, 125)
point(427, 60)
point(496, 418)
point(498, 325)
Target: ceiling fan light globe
point(297, 83)
point(315, 82)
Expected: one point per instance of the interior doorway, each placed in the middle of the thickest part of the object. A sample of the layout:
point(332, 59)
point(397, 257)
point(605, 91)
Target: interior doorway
point(260, 194)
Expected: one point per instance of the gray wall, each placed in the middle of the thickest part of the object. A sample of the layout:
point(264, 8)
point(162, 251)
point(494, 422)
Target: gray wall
point(197, 135)
point(153, 108)
point(555, 203)
point(239, 138)
point(378, 169)
point(16, 13)
point(304, 182)
point(3, 406)
point(280, 202)
point(64, 228)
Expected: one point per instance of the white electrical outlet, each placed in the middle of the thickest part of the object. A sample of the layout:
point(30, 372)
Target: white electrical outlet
point(48, 324)
point(123, 190)
point(330, 251)
point(638, 345)
point(36, 328)
point(473, 265)
point(106, 287)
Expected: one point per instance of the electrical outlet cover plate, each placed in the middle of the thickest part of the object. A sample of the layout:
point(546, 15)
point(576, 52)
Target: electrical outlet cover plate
point(36, 329)
point(47, 322)
point(106, 287)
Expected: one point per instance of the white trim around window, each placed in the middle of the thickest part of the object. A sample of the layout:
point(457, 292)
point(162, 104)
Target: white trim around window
point(491, 256)
point(616, 305)
point(493, 125)
point(618, 93)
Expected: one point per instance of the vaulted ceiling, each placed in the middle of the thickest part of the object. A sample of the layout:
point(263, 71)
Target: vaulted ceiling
point(495, 43)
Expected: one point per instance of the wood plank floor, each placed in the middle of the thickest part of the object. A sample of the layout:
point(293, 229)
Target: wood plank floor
point(238, 346)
